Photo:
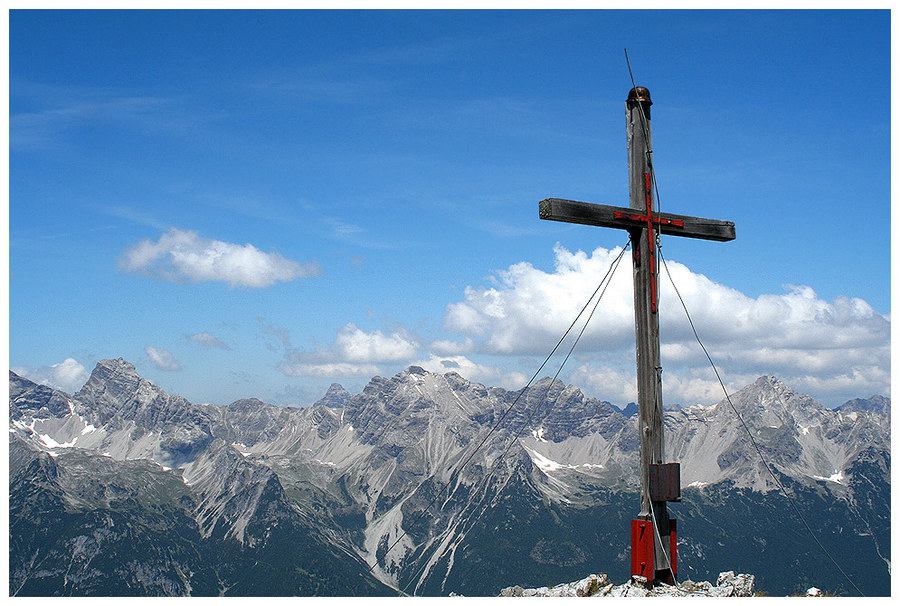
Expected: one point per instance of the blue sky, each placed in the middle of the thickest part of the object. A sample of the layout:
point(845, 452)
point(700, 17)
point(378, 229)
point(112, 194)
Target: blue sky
point(263, 203)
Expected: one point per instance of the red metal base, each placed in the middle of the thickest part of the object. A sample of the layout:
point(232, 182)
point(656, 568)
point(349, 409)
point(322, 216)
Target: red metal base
point(642, 560)
point(642, 549)
point(673, 546)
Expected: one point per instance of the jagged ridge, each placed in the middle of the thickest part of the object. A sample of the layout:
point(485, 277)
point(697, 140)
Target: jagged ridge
point(357, 471)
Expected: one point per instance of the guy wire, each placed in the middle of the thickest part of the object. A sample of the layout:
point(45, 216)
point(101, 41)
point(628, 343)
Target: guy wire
point(604, 284)
point(658, 250)
point(756, 446)
point(497, 424)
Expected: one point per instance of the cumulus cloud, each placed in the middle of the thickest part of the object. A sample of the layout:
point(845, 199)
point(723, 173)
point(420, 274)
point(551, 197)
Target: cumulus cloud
point(355, 353)
point(161, 358)
point(833, 350)
point(528, 309)
point(839, 348)
point(183, 256)
point(685, 386)
point(356, 345)
point(68, 375)
point(205, 338)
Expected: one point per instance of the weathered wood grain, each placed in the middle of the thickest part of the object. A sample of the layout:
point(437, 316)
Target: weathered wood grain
point(603, 215)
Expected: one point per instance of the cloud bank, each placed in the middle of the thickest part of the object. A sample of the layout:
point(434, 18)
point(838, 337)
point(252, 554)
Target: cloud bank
point(497, 334)
point(840, 347)
point(356, 353)
point(183, 256)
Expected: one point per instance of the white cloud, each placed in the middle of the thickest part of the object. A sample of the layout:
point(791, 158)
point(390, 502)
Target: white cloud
point(185, 256)
point(205, 338)
point(447, 347)
point(605, 383)
point(836, 348)
point(685, 387)
point(329, 369)
point(355, 345)
point(833, 350)
point(161, 358)
point(853, 383)
point(355, 353)
point(68, 375)
point(530, 309)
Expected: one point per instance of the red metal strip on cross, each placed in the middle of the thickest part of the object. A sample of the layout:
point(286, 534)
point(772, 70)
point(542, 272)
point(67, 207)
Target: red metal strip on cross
point(642, 218)
point(648, 182)
point(650, 219)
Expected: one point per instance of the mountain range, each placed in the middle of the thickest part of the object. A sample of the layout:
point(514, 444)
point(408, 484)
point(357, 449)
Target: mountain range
point(424, 484)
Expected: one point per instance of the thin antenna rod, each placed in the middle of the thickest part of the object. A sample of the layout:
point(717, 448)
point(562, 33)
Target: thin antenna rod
point(628, 63)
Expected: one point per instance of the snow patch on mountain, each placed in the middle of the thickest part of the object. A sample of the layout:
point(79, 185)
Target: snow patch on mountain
point(837, 477)
point(51, 443)
point(543, 463)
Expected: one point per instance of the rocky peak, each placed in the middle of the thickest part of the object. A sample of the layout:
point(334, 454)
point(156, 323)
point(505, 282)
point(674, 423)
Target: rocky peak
point(877, 404)
point(771, 402)
point(456, 381)
point(118, 368)
point(29, 398)
point(118, 397)
point(110, 382)
point(335, 397)
point(247, 405)
point(630, 410)
point(550, 387)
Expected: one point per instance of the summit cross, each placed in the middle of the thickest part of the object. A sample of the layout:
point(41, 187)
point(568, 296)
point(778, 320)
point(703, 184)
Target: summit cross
point(653, 534)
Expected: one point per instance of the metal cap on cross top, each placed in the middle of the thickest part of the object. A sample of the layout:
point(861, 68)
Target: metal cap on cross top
point(639, 93)
point(653, 537)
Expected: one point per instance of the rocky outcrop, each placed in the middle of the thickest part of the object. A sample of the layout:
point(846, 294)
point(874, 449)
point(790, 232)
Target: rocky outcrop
point(728, 584)
point(877, 404)
point(27, 399)
point(335, 397)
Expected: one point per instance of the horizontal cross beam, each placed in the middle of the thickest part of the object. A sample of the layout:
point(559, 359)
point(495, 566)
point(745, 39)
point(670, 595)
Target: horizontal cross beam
point(602, 215)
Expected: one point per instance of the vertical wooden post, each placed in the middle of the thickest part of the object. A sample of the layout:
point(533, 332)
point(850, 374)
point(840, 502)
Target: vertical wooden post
point(650, 414)
point(653, 538)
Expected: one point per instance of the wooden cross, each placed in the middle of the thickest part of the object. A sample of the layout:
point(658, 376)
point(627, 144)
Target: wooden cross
point(653, 536)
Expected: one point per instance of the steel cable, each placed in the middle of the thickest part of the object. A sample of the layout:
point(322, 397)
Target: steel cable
point(497, 424)
point(756, 446)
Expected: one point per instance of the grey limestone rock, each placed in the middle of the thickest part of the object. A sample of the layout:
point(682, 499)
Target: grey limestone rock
point(728, 584)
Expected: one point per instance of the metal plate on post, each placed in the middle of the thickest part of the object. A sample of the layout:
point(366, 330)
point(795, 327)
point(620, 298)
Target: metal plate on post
point(642, 549)
point(665, 482)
